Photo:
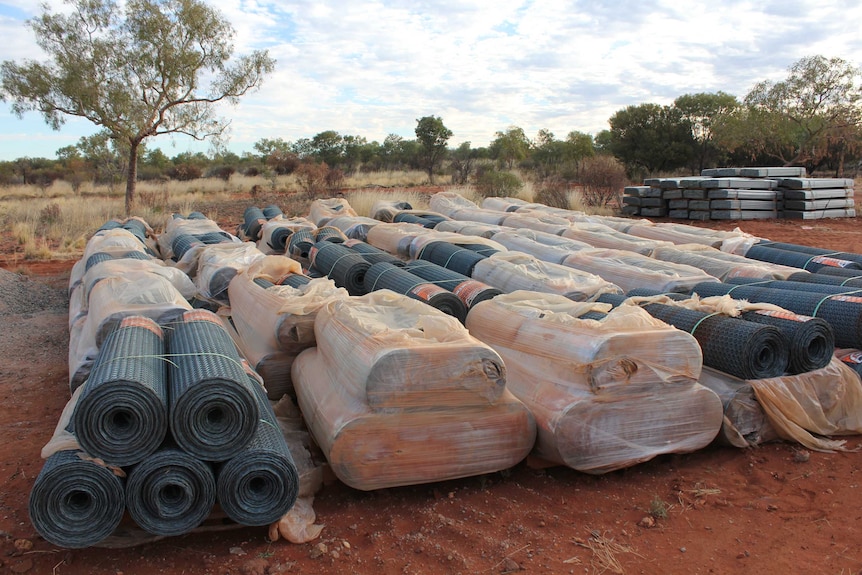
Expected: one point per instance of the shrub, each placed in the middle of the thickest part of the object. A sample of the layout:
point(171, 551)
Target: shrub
point(185, 172)
point(334, 179)
point(221, 172)
point(311, 178)
point(553, 192)
point(493, 183)
point(603, 178)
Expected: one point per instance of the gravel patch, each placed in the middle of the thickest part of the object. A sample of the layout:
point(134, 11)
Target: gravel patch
point(20, 295)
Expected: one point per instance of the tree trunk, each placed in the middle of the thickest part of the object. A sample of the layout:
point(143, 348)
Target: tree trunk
point(431, 173)
point(132, 177)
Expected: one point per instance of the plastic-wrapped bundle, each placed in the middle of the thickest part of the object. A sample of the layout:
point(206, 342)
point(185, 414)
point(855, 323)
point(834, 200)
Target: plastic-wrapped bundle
point(630, 270)
point(385, 210)
point(407, 217)
point(100, 257)
point(673, 234)
point(395, 238)
point(451, 256)
point(514, 241)
point(197, 228)
point(843, 312)
point(276, 232)
point(218, 264)
point(112, 241)
point(811, 263)
point(272, 211)
point(538, 224)
point(509, 272)
point(300, 243)
point(468, 290)
point(345, 267)
point(122, 413)
point(323, 210)
point(398, 393)
point(854, 281)
point(371, 254)
point(387, 276)
point(741, 348)
point(852, 358)
point(446, 202)
point(329, 234)
point(137, 267)
point(253, 219)
point(601, 236)
point(812, 251)
point(469, 228)
point(504, 204)
point(606, 394)
point(355, 228)
point(478, 215)
point(183, 243)
point(482, 246)
point(260, 484)
point(213, 414)
point(75, 502)
point(138, 228)
point(170, 492)
point(719, 264)
point(744, 423)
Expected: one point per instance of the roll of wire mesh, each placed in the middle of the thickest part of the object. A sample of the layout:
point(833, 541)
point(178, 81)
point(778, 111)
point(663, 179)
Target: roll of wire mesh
point(100, 257)
point(387, 276)
point(371, 254)
point(842, 312)
point(342, 265)
point(300, 243)
point(122, 413)
point(196, 216)
point(810, 340)
point(170, 492)
point(272, 211)
point(279, 238)
point(409, 218)
point(260, 484)
point(137, 229)
point(253, 219)
point(329, 234)
point(75, 502)
point(109, 225)
point(812, 251)
point(468, 290)
point(293, 280)
point(264, 283)
point(741, 348)
point(451, 256)
point(795, 286)
point(210, 238)
point(839, 272)
point(182, 243)
point(213, 414)
point(818, 278)
point(811, 263)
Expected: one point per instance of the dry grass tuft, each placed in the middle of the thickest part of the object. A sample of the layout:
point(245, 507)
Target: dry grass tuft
point(604, 553)
point(363, 200)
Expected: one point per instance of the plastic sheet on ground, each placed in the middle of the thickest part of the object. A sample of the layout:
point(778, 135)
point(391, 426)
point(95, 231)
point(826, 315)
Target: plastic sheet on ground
point(745, 424)
point(630, 270)
point(323, 210)
point(514, 271)
point(721, 264)
point(606, 394)
point(398, 393)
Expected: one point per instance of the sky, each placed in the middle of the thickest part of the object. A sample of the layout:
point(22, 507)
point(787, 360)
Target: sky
point(371, 68)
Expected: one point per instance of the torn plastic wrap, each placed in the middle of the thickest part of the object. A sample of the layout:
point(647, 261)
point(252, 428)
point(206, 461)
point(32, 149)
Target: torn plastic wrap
point(398, 393)
point(323, 210)
point(513, 271)
point(744, 423)
point(217, 266)
point(606, 394)
point(630, 270)
point(721, 264)
point(274, 325)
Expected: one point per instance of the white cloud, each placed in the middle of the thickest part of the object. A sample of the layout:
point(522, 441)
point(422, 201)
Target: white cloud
point(374, 67)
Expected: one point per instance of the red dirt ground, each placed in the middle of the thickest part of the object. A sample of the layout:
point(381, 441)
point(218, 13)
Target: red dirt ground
point(773, 509)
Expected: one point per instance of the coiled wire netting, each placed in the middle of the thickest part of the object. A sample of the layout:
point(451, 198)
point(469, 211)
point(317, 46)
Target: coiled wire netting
point(455, 257)
point(387, 276)
point(808, 262)
point(468, 290)
point(342, 265)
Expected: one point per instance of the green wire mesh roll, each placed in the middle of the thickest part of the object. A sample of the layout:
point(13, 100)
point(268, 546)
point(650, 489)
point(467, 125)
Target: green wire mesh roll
point(853, 281)
point(795, 286)
point(122, 414)
point(74, 502)
point(811, 263)
point(812, 251)
point(387, 276)
point(213, 414)
point(468, 290)
point(453, 257)
point(272, 211)
point(253, 219)
point(300, 243)
point(371, 254)
point(170, 492)
point(260, 484)
point(343, 266)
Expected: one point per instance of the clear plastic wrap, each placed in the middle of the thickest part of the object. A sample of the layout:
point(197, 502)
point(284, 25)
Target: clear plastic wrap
point(395, 238)
point(805, 407)
point(419, 242)
point(673, 235)
point(115, 241)
point(266, 244)
point(469, 228)
point(630, 270)
point(745, 424)
point(219, 263)
point(601, 236)
point(385, 210)
point(513, 271)
point(398, 393)
point(720, 264)
point(179, 226)
point(446, 202)
point(323, 210)
point(606, 394)
point(355, 228)
point(504, 204)
point(547, 223)
point(478, 215)
point(114, 268)
point(519, 242)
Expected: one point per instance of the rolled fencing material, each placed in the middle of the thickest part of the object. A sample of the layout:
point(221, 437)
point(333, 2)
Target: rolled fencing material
point(329, 234)
point(469, 291)
point(840, 272)
point(811, 263)
point(122, 413)
point(843, 312)
point(850, 256)
point(183, 243)
point(100, 257)
point(404, 217)
point(280, 236)
point(455, 257)
point(387, 276)
point(796, 286)
point(294, 280)
point(253, 219)
point(342, 265)
point(75, 503)
point(854, 281)
point(213, 414)
point(272, 211)
point(300, 243)
point(735, 346)
point(371, 254)
point(137, 227)
point(260, 484)
point(170, 492)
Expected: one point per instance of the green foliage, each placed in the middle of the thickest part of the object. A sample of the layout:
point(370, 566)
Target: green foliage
point(658, 508)
point(510, 146)
point(432, 136)
point(136, 69)
point(495, 183)
point(652, 137)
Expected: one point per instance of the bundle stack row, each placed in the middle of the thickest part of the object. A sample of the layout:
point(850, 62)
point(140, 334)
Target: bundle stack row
point(742, 194)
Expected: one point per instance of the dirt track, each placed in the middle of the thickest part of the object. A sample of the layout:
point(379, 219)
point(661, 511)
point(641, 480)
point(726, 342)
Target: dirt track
point(768, 510)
